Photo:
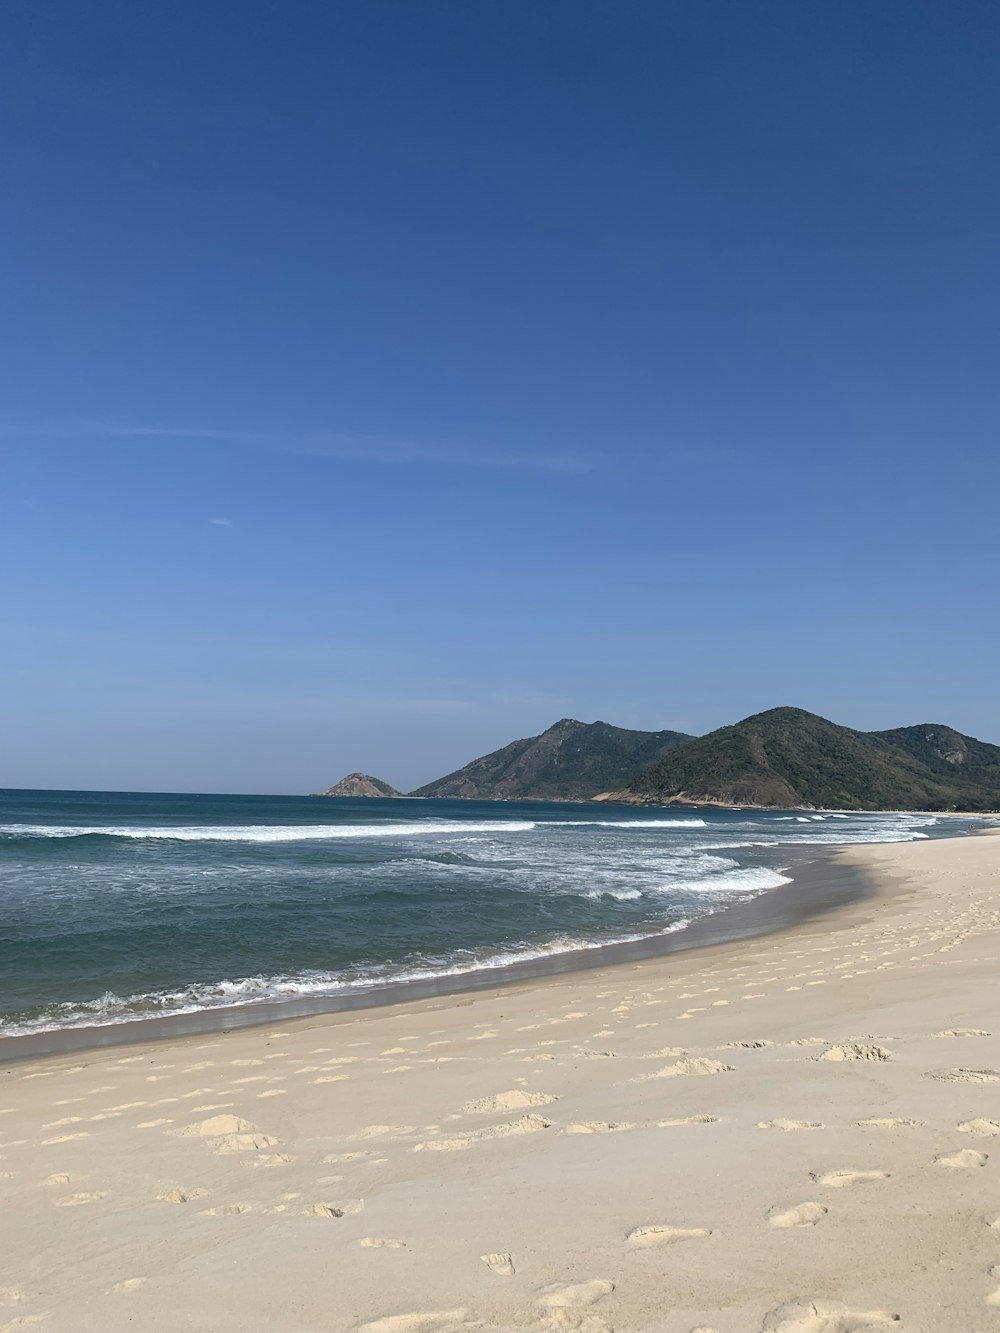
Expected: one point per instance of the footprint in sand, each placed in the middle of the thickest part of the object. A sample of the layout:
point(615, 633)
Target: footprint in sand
point(236, 1143)
point(824, 1317)
point(567, 1306)
point(789, 1124)
point(228, 1210)
point(964, 1075)
point(839, 1179)
point(215, 1127)
point(266, 1160)
point(515, 1100)
point(64, 1138)
point(887, 1122)
point(377, 1243)
point(984, 1128)
point(345, 1208)
point(57, 1178)
point(429, 1321)
point(501, 1264)
point(11, 1295)
point(598, 1127)
point(963, 1032)
point(378, 1131)
point(688, 1120)
point(699, 1065)
point(128, 1284)
point(75, 1200)
point(965, 1159)
point(802, 1215)
point(644, 1238)
point(180, 1195)
point(855, 1050)
point(527, 1124)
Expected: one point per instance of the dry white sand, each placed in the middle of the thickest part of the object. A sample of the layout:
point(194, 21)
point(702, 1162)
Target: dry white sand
point(799, 1133)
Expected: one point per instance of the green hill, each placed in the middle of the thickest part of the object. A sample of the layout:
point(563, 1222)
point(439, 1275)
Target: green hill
point(949, 754)
point(572, 761)
point(788, 757)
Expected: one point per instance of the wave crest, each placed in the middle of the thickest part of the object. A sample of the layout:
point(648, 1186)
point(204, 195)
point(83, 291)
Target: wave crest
point(267, 832)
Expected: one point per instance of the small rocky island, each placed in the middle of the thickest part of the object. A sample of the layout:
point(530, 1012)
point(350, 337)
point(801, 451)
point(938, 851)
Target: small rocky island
point(361, 784)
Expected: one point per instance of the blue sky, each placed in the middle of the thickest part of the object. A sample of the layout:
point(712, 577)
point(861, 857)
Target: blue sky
point(382, 382)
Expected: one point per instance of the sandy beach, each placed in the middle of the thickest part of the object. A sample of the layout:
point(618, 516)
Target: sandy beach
point(797, 1133)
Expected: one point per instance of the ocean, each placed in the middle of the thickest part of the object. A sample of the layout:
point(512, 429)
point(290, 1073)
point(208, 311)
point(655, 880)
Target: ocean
point(117, 906)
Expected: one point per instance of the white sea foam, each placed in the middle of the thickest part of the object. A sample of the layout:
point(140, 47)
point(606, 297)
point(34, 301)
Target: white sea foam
point(652, 823)
point(268, 832)
point(111, 1009)
point(624, 823)
point(749, 879)
point(640, 878)
point(815, 840)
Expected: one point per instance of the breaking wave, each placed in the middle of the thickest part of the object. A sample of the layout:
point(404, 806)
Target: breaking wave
point(626, 823)
point(267, 832)
point(109, 1008)
point(119, 907)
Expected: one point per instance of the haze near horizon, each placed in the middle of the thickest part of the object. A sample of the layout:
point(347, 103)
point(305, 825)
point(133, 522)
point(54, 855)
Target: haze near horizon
point(383, 383)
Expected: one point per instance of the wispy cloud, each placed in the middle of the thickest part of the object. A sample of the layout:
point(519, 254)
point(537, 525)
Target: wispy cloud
point(380, 449)
point(346, 446)
point(223, 522)
point(106, 430)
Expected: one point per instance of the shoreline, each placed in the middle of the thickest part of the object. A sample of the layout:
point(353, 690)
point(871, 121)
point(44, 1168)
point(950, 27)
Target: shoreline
point(776, 1134)
point(817, 885)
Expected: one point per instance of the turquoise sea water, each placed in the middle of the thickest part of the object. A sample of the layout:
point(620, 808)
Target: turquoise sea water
point(119, 905)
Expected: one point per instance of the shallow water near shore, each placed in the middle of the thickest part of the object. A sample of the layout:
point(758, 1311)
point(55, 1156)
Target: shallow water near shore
point(121, 907)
